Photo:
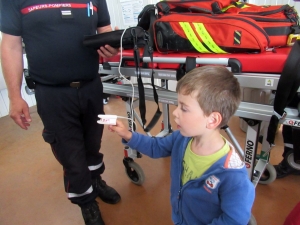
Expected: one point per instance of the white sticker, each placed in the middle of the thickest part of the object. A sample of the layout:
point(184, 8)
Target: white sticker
point(269, 82)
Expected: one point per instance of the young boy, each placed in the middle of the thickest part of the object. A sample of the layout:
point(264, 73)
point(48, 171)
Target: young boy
point(209, 181)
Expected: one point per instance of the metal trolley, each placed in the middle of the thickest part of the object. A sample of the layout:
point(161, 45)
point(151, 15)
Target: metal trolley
point(255, 115)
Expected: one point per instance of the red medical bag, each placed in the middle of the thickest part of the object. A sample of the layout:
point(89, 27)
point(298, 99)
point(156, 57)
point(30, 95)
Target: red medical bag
point(197, 26)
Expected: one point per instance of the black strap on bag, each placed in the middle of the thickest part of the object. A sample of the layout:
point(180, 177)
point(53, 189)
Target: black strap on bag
point(288, 85)
point(142, 101)
point(189, 65)
point(180, 72)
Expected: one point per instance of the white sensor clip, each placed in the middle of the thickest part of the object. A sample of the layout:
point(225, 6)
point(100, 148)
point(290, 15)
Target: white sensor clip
point(107, 119)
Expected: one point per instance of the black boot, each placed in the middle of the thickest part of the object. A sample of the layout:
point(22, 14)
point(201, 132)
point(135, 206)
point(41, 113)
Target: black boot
point(91, 214)
point(283, 169)
point(105, 192)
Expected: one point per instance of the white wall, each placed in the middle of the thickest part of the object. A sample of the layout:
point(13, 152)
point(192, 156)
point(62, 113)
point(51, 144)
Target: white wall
point(115, 9)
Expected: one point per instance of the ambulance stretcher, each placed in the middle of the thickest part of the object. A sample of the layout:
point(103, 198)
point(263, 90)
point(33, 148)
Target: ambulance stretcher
point(260, 71)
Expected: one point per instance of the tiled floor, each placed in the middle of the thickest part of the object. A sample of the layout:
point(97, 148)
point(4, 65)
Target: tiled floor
point(32, 193)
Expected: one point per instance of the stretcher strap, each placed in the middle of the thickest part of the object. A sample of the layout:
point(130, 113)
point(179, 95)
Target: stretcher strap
point(142, 102)
point(180, 72)
point(190, 63)
point(288, 85)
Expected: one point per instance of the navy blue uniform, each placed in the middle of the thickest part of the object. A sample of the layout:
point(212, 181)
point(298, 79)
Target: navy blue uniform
point(52, 31)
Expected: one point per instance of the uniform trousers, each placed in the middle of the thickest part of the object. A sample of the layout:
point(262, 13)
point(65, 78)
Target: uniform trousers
point(69, 116)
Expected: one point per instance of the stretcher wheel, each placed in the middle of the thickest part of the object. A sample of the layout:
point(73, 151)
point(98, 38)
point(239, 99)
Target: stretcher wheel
point(269, 175)
point(252, 221)
point(290, 160)
point(135, 173)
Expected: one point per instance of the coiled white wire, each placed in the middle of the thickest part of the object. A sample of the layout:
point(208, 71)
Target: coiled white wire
point(122, 76)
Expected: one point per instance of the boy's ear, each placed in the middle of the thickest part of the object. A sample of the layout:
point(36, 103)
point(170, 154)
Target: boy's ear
point(214, 120)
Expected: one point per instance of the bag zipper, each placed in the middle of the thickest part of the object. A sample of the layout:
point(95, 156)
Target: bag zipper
point(266, 13)
point(287, 10)
point(261, 19)
point(164, 9)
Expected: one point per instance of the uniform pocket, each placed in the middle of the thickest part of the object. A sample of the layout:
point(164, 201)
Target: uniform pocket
point(49, 137)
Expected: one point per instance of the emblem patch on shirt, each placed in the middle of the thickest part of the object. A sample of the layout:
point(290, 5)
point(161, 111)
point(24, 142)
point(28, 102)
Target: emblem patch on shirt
point(212, 182)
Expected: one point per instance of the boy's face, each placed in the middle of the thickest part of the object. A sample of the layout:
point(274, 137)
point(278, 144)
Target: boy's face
point(189, 117)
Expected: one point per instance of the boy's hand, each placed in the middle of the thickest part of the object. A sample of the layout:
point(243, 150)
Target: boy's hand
point(121, 130)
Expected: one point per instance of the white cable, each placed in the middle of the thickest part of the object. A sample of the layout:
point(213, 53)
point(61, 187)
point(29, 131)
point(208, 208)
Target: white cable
point(121, 75)
point(123, 117)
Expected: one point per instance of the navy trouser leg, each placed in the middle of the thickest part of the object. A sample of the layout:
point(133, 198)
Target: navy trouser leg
point(287, 134)
point(70, 123)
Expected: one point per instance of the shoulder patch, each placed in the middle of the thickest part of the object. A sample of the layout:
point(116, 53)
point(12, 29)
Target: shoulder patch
point(212, 182)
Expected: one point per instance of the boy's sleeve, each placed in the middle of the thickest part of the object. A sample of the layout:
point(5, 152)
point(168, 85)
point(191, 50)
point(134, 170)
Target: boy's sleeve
point(154, 147)
point(237, 197)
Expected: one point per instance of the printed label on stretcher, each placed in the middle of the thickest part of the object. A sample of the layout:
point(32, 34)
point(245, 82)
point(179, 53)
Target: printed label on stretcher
point(166, 75)
point(295, 123)
point(269, 82)
point(166, 101)
point(143, 73)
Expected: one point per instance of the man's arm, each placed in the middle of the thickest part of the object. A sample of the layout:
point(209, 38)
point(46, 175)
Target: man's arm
point(106, 51)
point(12, 66)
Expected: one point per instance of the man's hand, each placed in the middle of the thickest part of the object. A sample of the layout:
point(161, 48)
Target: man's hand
point(107, 51)
point(19, 112)
point(121, 130)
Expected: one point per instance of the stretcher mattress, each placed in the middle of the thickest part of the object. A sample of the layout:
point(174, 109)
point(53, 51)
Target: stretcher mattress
point(266, 62)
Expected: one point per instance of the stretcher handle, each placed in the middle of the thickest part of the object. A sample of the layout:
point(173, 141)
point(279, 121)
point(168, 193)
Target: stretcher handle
point(128, 59)
point(235, 64)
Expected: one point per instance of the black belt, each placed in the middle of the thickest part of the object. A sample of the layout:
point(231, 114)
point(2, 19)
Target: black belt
point(74, 84)
point(77, 84)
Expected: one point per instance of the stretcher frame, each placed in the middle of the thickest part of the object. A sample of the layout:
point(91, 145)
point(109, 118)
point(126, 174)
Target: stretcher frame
point(258, 167)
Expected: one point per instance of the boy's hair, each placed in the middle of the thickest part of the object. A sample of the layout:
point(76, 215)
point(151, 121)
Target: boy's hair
point(217, 90)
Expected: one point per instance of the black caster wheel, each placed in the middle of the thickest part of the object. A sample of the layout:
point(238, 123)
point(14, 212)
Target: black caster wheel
point(269, 175)
point(290, 160)
point(134, 172)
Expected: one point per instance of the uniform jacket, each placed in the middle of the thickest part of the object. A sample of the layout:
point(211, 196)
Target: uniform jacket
point(223, 195)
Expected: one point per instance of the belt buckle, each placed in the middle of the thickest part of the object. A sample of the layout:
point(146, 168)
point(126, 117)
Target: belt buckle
point(75, 84)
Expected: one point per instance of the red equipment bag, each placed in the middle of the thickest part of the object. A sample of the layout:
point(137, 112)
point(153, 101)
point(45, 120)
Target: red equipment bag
point(206, 33)
point(151, 12)
point(202, 27)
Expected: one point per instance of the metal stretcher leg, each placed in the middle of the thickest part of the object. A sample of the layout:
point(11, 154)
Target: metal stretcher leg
point(258, 167)
point(132, 169)
point(263, 172)
point(234, 141)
